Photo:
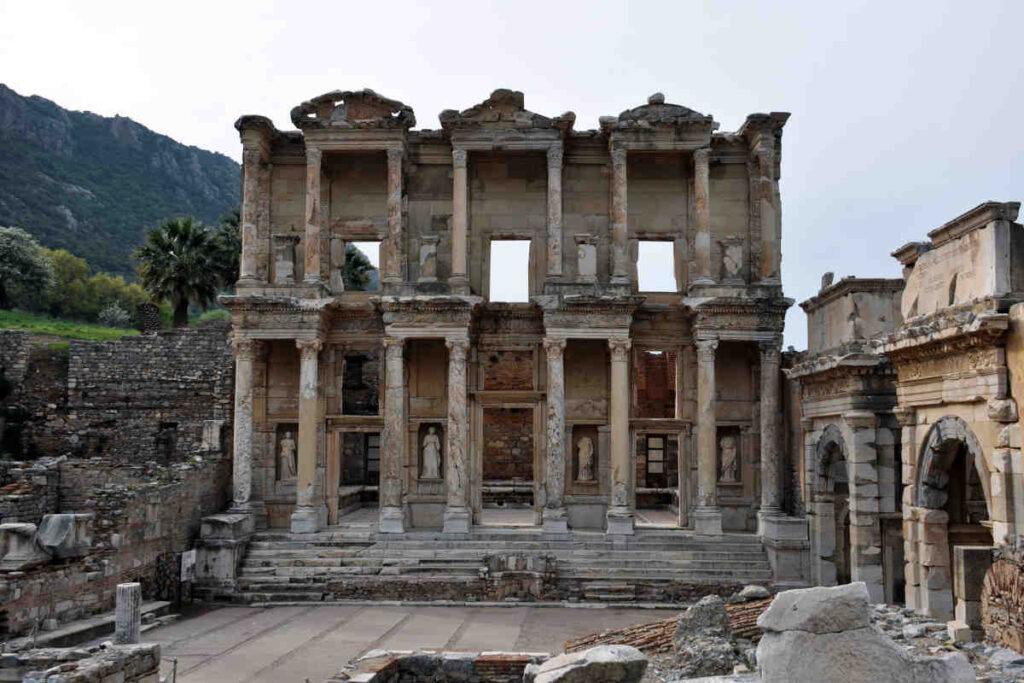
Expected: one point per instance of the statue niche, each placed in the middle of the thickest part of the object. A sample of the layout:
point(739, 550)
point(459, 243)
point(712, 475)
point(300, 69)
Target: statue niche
point(431, 462)
point(729, 459)
point(585, 460)
point(286, 449)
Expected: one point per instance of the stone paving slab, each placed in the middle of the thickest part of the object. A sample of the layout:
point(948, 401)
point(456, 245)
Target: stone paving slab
point(253, 645)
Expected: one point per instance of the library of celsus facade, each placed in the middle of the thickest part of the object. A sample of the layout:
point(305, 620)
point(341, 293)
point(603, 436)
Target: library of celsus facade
point(583, 405)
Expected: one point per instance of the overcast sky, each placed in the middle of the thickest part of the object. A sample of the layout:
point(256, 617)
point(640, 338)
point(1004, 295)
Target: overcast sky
point(905, 114)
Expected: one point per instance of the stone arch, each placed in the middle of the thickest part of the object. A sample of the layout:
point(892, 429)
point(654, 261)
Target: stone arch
point(830, 509)
point(940, 447)
point(830, 460)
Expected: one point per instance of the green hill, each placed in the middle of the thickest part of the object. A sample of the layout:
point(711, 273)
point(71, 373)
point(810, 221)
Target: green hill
point(93, 185)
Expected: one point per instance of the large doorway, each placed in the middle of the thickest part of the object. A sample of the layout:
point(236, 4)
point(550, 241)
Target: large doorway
point(508, 463)
point(657, 455)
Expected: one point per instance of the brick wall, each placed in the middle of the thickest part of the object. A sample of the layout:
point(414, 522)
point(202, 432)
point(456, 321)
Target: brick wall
point(508, 370)
point(29, 490)
point(508, 443)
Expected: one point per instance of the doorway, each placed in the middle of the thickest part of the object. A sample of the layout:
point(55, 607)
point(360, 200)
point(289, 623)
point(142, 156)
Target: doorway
point(508, 463)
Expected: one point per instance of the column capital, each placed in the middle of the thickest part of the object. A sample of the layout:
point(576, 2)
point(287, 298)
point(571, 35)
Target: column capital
point(702, 155)
point(770, 351)
point(252, 157)
point(309, 348)
point(618, 155)
point(313, 156)
point(246, 349)
point(554, 348)
point(395, 155)
point(457, 347)
point(619, 349)
point(459, 157)
point(393, 346)
point(765, 156)
point(555, 153)
point(706, 349)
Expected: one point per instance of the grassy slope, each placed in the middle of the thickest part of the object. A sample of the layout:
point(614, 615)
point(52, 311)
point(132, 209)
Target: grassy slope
point(37, 324)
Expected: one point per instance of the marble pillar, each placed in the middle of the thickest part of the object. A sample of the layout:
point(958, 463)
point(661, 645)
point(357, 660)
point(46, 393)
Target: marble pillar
point(771, 485)
point(310, 514)
point(312, 240)
point(707, 517)
point(457, 515)
point(702, 237)
point(392, 452)
point(555, 210)
point(766, 197)
point(127, 614)
point(246, 351)
point(459, 279)
point(620, 513)
point(395, 266)
point(251, 172)
point(620, 226)
point(555, 517)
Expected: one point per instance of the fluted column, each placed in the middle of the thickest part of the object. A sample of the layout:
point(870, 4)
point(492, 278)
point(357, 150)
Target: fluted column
point(251, 171)
point(246, 351)
point(311, 243)
point(392, 513)
point(702, 194)
point(620, 225)
point(460, 222)
point(707, 517)
point(395, 267)
point(767, 199)
point(555, 210)
point(555, 519)
point(771, 489)
point(457, 516)
point(310, 514)
point(620, 514)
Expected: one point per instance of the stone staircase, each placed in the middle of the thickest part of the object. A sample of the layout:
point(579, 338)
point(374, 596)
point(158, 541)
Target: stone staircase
point(281, 567)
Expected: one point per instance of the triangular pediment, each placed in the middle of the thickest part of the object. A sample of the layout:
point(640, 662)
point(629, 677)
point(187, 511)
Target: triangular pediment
point(504, 109)
point(657, 114)
point(353, 109)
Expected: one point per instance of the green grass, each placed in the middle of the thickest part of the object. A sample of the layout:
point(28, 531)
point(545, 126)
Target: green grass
point(68, 329)
point(211, 316)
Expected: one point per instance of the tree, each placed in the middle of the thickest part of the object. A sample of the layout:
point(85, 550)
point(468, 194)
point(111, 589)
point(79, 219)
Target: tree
point(228, 242)
point(178, 261)
point(24, 268)
point(356, 273)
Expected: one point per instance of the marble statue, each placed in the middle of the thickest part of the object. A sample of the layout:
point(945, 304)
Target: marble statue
point(732, 259)
point(286, 457)
point(585, 458)
point(431, 455)
point(730, 464)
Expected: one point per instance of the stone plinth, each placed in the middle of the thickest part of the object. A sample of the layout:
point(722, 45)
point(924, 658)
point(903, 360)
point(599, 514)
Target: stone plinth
point(128, 614)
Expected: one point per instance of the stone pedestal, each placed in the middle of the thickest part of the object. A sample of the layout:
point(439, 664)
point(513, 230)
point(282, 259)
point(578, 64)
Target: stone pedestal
point(223, 540)
point(620, 512)
point(392, 520)
point(128, 613)
point(310, 513)
point(707, 521)
point(555, 521)
point(457, 520)
point(786, 541)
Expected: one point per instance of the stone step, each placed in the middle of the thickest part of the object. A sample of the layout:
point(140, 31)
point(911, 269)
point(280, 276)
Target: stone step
point(285, 596)
point(745, 575)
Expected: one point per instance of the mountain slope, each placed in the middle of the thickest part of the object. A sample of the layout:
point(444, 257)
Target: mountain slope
point(93, 185)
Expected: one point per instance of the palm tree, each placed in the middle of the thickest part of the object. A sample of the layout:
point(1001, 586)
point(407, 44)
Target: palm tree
point(179, 262)
point(357, 272)
point(228, 242)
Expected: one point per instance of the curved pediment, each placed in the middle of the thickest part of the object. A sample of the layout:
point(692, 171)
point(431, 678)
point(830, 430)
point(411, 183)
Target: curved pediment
point(353, 109)
point(504, 109)
point(657, 114)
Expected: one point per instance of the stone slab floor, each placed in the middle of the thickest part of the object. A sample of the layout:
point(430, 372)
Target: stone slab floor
point(244, 644)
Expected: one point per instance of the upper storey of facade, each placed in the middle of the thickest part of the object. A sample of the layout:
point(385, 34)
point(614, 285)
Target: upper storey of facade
point(850, 312)
point(436, 200)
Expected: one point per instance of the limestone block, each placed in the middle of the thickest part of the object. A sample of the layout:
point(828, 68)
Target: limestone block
point(20, 548)
point(66, 535)
point(826, 573)
point(934, 555)
point(910, 531)
point(969, 612)
point(826, 540)
point(934, 533)
point(611, 663)
point(1002, 410)
point(959, 631)
point(1002, 532)
point(910, 552)
point(867, 536)
point(999, 489)
point(863, 473)
point(863, 492)
point(929, 516)
point(937, 603)
point(912, 573)
point(937, 578)
point(909, 492)
point(972, 563)
point(818, 610)
point(913, 597)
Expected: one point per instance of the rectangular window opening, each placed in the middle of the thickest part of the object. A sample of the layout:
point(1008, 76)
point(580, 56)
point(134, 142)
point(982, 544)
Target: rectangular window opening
point(655, 266)
point(362, 266)
point(510, 271)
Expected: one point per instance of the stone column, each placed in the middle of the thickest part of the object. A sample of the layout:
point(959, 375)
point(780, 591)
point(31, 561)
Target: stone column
point(457, 516)
point(459, 279)
point(555, 518)
point(392, 512)
point(620, 514)
point(251, 170)
point(771, 490)
point(702, 194)
point(766, 199)
point(245, 357)
point(555, 210)
point(310, 514)
point(311, 243)
point(128, 613)
point(707, 517)
point(620, 226)
point(395, 267)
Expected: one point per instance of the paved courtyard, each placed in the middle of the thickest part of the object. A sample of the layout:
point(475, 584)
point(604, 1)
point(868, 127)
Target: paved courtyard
point(243, 644)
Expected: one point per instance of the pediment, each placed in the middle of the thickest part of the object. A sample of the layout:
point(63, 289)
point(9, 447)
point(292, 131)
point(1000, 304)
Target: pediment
point(657, 114)
point(504, 109)
point(353, 109)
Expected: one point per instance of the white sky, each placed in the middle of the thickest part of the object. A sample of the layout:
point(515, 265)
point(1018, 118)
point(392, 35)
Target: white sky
point(905, 114)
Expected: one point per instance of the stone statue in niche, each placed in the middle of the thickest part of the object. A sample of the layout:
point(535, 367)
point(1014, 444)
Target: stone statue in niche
point(431, 455)
point(730, 463)
point(854, 325)
point(585, 458)
point(286, 457)
point(732, 261)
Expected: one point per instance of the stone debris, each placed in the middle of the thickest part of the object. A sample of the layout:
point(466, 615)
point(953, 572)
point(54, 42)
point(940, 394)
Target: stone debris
point(602, 664)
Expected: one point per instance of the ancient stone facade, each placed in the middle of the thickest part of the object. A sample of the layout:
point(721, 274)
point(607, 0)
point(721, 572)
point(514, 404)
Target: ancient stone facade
point(849, 482)
point(957, 357)
point(461, 376)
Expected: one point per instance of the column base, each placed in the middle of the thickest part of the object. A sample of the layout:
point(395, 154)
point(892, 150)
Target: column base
point(619, 521)
point(457, 520)
point(555, 521)
point(459, 284)
point(256, 509)
point(392, 520)
point(707, 521)
point(308, 519)
point(764, 518)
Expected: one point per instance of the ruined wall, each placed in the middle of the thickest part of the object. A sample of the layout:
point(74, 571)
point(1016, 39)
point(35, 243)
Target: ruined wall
point(1002, 599)
point(105, 663)
point(14, 348)
point(29, 490)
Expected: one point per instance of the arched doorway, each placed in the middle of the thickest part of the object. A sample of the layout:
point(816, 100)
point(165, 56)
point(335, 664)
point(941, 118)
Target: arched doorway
point(831, 505)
